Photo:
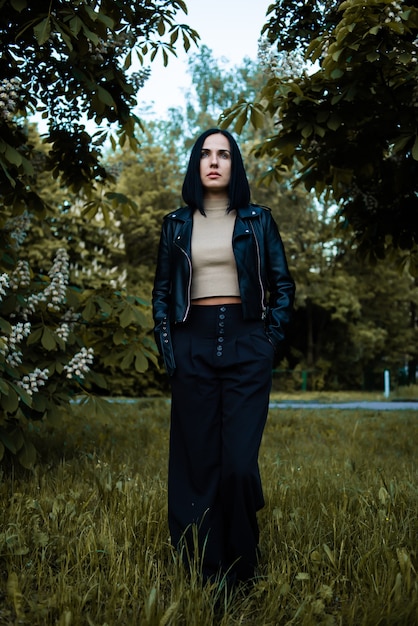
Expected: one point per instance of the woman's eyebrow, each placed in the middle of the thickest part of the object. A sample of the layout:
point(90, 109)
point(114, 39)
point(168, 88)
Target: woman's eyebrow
point(220, 151)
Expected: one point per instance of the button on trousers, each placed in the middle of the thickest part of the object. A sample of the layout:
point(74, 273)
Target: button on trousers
point(220, 396)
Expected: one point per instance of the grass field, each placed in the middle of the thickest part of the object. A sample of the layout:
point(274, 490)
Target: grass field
point(84, 539)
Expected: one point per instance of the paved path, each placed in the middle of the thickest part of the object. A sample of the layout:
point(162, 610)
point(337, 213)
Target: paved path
point(372, 406)
point(301, 404)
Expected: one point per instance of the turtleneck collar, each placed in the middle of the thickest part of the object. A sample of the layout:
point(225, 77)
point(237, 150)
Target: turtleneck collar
point(215, 204)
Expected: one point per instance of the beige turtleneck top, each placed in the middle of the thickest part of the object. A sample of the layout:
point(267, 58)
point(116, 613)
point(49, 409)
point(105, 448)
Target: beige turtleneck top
point(213, 261)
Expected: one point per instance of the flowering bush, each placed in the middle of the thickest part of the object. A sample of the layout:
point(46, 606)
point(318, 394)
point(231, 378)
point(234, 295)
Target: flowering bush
point(51, 334)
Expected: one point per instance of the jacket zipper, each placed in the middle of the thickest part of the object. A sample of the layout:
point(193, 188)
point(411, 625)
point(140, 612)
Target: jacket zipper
point(189, 285)
point(263, 306)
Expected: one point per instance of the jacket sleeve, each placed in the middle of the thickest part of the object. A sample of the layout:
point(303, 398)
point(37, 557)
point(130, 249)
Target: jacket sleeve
point(280, 284)
point(161, 297)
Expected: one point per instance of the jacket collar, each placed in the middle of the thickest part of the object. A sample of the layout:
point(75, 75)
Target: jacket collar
point(250, 211)
point(185, 213)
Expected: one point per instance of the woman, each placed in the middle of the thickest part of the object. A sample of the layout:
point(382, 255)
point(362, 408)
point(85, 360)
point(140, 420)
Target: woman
point(222, 301)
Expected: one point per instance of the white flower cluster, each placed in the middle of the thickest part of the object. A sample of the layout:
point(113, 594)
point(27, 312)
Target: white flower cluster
point(20, 276)
point(11, 343)
point(4, 283)
point(68, 320)
point(18, 226)
point(80, 363)
point(70, 317)
point(392, 11)
point(9, 97)
point(56, 290)
point(63, 331)
point(120, 281)
point(31, 382)
point(286, 65)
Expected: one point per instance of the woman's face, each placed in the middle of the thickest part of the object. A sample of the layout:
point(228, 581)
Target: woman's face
point(215, 165)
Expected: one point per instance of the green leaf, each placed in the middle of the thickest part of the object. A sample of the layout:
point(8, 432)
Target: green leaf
point(105, 97)
point(400, 143)
point(89, 310)
point(48, 340)
point(126, 317)
point(307, 130)
point(336, 55)
point(314, 50)
point(5, 326)
point(104, 305)
point(19, 5)
point(405, 57)
point(128, 358)
point(23, 395)
point(128, 61)
point(42, 31)
point(334, 122)
point(397, 27)
point(12, 155)
point(13, 440)
point(39, 403)
point(161, 27)
point(415, 149)
point(34, 337)
point(256, 117)
point(241, 121)
point(27, 455)
point(10, 403)
point(90, 35)
point(186, 42)
point(75, 25)
point(141, 363)
point(119, 337)
point(104, 19)
point(91, 13)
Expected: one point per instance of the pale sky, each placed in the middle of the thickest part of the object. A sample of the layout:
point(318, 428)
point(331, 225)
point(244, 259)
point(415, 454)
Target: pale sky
point(230, 28)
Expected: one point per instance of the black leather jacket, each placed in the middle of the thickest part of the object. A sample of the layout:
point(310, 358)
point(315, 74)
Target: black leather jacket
point(266, 287)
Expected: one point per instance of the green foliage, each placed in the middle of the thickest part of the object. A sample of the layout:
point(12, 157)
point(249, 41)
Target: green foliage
point(350, 123)
point(72, 60)
point(51, 333)
point(352, 319)
point(152, 178)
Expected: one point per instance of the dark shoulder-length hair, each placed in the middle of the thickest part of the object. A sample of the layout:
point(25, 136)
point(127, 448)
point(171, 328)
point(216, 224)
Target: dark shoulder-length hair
point(238, 190)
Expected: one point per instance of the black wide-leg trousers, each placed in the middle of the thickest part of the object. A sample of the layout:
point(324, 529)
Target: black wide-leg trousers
point(220, 396)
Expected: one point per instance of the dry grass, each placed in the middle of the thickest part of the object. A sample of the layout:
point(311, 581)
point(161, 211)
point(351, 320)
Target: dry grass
point(84, 540)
